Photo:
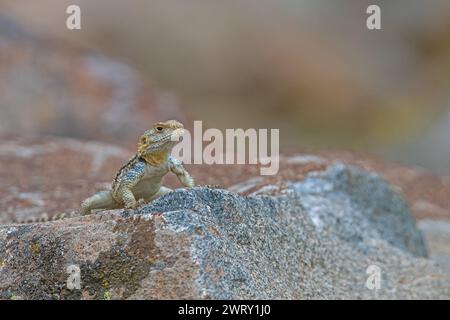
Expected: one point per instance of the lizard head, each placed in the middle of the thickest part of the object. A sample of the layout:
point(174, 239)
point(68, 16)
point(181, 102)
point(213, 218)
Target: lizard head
point(161, 138)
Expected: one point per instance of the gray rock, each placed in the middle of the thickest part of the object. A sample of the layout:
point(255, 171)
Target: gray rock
point(313, 239)
point(437, 234)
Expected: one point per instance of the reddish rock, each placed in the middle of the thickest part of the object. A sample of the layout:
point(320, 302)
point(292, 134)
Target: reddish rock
point(47, 176)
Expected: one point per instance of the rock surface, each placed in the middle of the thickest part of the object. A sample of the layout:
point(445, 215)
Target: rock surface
point(309, 232)
point(427, 194)
point(437, 236)
point(314, 238)
point(43, 177)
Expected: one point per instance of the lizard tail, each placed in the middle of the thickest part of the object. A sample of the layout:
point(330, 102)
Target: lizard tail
point(45, 218)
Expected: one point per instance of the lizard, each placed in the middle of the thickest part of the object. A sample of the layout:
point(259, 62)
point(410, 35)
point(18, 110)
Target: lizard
point(140, 179)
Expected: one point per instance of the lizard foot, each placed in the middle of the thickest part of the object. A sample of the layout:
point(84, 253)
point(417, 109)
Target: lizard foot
point(135, 205)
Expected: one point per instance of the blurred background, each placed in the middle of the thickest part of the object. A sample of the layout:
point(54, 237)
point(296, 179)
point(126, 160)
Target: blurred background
point(308, 67)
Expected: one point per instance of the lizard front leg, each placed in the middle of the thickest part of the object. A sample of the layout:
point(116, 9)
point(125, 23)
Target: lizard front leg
point(124, 184)
point(128, 199)
point(176, 167)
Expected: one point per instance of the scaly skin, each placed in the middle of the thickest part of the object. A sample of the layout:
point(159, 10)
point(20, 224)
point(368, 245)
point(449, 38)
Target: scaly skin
point(140, 180)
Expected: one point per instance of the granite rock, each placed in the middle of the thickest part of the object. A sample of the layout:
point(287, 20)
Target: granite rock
point(313, 239)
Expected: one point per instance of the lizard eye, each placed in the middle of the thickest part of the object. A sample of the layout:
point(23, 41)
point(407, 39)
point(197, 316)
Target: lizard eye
point(159, 128)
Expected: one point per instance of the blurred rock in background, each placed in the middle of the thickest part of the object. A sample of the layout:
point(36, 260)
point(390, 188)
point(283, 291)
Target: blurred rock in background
point(48, 88)
point(310, 68)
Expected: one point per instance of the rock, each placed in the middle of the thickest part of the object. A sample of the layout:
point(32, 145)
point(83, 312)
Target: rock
point(309, 232)
point(314, 238)
point(427, 194)
point(437, 235)
point(48, 88)
point(52, 175)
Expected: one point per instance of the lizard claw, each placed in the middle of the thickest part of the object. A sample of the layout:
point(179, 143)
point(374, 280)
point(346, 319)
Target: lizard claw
point(140, 202)
point(136, 204)
point(131, 206)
